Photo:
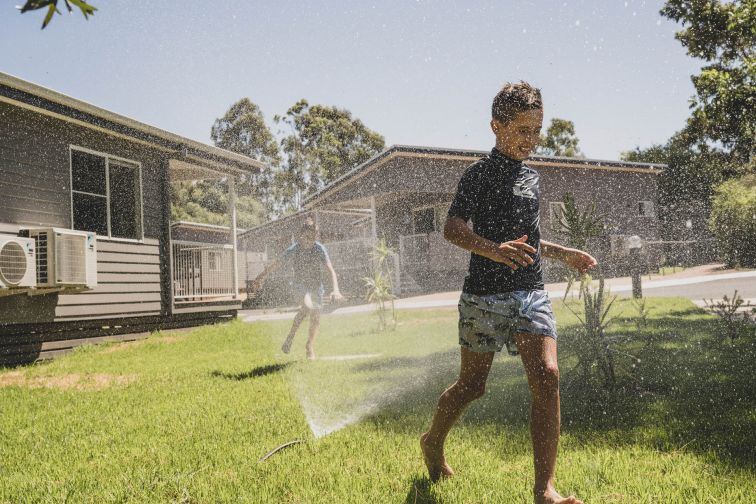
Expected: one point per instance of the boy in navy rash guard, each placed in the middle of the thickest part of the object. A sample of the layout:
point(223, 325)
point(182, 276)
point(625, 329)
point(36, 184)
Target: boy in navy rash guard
point(307, 258)
point(503, 301)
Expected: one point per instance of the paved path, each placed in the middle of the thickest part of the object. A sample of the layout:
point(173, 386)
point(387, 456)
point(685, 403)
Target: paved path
point(697, 284)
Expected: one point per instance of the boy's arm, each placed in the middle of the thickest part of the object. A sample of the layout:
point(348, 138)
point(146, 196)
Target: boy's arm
point(577, 259)
point(335, 292)
point(512, 253)
point(270, 268)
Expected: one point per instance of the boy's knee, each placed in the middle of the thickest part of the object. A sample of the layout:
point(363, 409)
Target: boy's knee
point(548, 378)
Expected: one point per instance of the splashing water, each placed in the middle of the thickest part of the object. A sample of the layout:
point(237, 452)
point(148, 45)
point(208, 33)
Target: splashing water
point(321, 423)
point(363, 385)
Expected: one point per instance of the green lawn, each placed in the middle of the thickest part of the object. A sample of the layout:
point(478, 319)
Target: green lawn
point(185, 418)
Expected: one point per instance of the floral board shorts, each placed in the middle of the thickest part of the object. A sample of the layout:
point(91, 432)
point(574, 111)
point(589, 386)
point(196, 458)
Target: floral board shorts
point(488, 323)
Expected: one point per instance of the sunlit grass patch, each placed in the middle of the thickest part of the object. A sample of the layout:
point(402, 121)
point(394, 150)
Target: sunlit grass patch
point(207, 404)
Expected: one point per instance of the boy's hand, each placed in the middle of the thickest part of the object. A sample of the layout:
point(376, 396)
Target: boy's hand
point(514, 253)
point(579, 260)
point(336, 296)
point(255, 288)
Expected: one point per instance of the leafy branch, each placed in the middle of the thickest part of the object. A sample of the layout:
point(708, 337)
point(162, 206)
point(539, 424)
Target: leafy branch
point(52, 7)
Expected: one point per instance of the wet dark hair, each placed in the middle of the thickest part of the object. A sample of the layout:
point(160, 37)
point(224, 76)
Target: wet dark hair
point(514, 99)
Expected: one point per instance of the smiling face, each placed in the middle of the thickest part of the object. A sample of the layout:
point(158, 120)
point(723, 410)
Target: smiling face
point(517, 138)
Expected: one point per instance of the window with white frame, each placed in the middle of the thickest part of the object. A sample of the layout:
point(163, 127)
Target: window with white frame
point(423, 220)
point(430, 218)
point(106, 195)
point(646, 208)
point(214, 260)
point(556, 215)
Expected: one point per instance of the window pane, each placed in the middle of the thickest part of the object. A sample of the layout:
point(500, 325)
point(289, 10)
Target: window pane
point(90, 213)
point(125, 203)
point(424, 221)
point(88, 172)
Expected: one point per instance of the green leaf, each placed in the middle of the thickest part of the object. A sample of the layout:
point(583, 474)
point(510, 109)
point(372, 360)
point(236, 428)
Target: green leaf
point(86, 9)
point(51, 10)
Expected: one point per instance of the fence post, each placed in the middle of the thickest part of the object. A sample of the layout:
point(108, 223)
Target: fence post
point(232, 208)
point(397, 275)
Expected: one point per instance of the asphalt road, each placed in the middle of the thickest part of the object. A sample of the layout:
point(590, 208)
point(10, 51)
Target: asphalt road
point(695, 288)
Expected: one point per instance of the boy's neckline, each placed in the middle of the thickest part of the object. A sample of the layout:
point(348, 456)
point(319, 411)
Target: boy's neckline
point(508, 160)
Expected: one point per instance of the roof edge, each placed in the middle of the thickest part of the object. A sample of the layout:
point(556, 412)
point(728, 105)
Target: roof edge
point(473, 154)
point(561, 159)
point(50, 95)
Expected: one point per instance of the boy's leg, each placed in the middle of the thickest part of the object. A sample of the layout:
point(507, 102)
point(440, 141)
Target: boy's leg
point(298, 318)
point(539, 357)
point(471, 385)
point(314, 328)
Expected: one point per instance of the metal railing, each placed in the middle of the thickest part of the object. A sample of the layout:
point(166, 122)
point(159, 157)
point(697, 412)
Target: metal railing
point(202, 271)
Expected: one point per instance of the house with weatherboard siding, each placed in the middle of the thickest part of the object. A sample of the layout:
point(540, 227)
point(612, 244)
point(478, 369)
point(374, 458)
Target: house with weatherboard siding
point(91, 191)
point(403, 194)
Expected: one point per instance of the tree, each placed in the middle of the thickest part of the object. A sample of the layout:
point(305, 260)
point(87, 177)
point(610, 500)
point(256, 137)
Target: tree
point(733, 220)
point(560, 140)
point(325, 143)
point(242, 129)
point(717, 142)
point(723, 33)
point(207, 202)
point(52, 8)
point(686, 184)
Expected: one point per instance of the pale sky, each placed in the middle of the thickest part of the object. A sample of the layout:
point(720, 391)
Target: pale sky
point(418, 72)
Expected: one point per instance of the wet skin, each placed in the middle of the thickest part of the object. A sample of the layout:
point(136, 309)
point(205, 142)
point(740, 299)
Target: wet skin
point(515, 139)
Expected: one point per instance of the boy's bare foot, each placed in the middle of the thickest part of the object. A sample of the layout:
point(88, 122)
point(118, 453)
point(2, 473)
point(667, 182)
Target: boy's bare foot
point(550, 496)
point(434, 460)
point(286, 347)
point(310, 353)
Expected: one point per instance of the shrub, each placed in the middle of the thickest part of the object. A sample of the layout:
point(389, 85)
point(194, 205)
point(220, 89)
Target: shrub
point(736, 314)
point(733, 220)
point(593, 347)
point(576, 227)
point(380, 287)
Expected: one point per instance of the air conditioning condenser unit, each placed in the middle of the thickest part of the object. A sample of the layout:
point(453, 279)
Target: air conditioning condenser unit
point(65, 258)
point(17, 264)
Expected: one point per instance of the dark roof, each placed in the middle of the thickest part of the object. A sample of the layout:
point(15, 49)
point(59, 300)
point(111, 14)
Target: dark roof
point(651, 168)
point(18, 91)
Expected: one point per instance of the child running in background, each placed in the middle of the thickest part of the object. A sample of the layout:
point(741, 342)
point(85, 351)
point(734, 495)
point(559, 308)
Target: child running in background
point(307, 258)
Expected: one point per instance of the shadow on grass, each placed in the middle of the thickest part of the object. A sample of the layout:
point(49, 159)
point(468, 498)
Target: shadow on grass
point(689, 391)
point(254, 373)
point(420, 492)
